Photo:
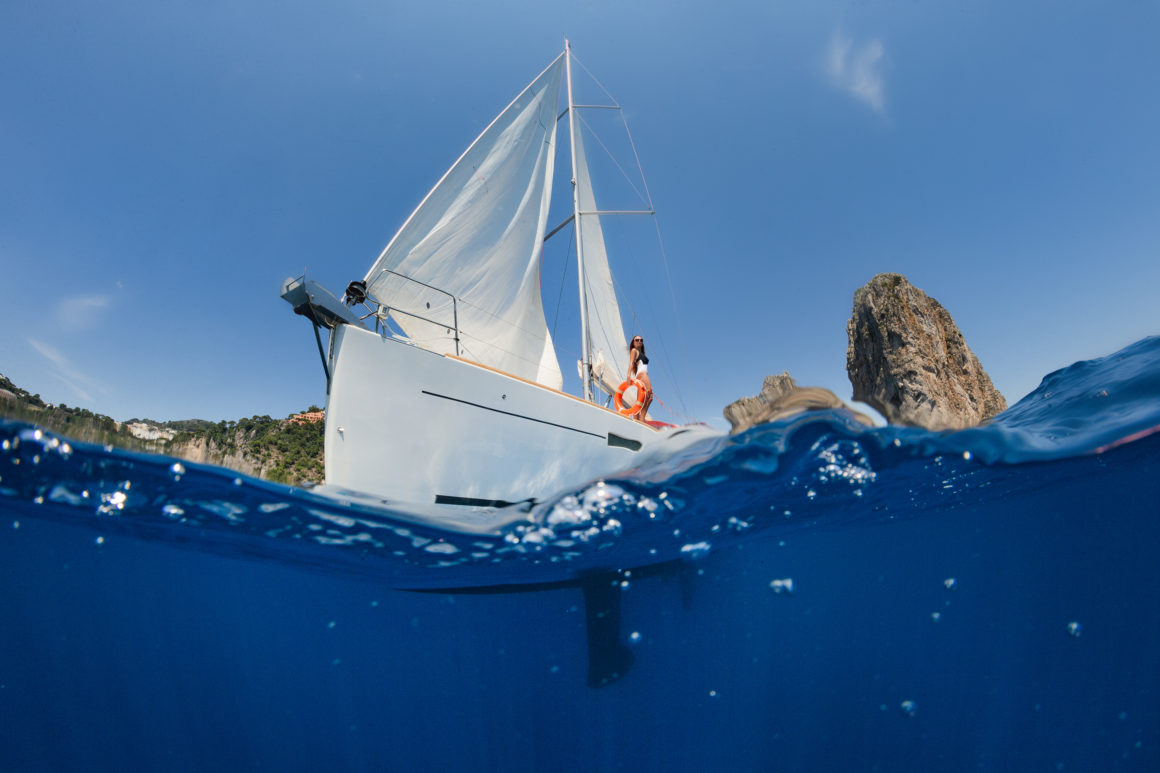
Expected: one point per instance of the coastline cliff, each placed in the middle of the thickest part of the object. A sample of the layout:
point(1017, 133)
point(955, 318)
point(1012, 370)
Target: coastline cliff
point(280, 450)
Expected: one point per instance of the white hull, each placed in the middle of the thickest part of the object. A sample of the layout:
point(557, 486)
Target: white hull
point(412, 425)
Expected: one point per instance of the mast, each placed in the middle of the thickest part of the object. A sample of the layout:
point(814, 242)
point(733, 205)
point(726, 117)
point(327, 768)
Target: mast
point(585, 344)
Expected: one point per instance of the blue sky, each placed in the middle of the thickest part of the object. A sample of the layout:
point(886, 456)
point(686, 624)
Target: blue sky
point(163, 166)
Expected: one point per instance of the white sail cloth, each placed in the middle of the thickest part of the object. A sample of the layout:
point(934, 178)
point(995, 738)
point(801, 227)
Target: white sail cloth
point(478, 236)
point(606, 343)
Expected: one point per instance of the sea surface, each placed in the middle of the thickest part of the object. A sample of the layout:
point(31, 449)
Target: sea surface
point(808, 595)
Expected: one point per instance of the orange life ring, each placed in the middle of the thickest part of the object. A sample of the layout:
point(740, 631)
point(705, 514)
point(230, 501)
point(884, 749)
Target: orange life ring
point(618, 398)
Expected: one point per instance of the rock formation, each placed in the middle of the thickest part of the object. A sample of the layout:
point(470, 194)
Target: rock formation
point(908, 360)
point(781, 397)
point(283, 450)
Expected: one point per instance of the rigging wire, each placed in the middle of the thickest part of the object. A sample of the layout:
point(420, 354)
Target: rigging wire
point(666, 359)
point(647, 196)
point(612, 158)
point(673, 298)
point(594, 79)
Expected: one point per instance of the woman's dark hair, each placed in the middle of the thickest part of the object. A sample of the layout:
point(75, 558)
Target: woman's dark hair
point(643, 357)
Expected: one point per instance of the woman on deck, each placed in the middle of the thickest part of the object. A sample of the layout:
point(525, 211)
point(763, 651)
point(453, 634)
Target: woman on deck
point(638, 369)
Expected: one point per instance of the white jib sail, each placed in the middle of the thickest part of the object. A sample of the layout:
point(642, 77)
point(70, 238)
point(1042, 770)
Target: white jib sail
point(478, 236)
point(608, 348)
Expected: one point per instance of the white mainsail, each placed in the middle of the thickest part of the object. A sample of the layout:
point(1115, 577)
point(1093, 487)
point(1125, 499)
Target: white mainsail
point(606, 343)
point(478, 236)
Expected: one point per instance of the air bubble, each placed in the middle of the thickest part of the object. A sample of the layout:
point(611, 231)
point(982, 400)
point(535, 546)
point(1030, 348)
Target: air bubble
point(635, 637)
point(909, 708)
point(696, 549)
point(950, 583)
point(782, 586)
point(1075, 629)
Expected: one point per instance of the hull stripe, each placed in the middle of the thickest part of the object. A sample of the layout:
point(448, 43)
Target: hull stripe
point(516, 415)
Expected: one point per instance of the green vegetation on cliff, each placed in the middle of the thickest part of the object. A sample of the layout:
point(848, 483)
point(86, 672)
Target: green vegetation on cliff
point(282, 450)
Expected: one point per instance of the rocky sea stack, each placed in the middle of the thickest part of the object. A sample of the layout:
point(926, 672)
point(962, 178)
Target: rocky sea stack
point(781, 397)
point(908, 360)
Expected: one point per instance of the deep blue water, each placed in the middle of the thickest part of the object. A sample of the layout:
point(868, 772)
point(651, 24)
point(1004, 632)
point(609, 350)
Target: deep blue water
point(809, 595)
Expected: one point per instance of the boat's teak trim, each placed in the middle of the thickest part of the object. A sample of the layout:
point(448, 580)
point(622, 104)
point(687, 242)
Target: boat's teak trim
point(545, 388)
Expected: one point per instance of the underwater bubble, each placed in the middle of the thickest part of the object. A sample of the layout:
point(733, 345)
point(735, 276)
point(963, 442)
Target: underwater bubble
point(113, 502)
point(810, 493)
point(16, 524)
point(950, 583)
point(635, 637)
point(696, 549)
point(568, 511)
point(332, 624)
point(712, 693)
point(909, 708)
point(177, 468)
point(100, 540)
point(1075, 629)
point(935, 616)
point(782, 586)
point(60, 493)
point(172, 510)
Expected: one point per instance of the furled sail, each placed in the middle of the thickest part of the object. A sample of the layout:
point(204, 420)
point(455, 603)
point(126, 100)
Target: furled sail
point(608, 350)
point(478, 236)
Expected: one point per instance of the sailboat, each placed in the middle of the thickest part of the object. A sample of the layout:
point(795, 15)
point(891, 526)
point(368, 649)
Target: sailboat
point(443, 384)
